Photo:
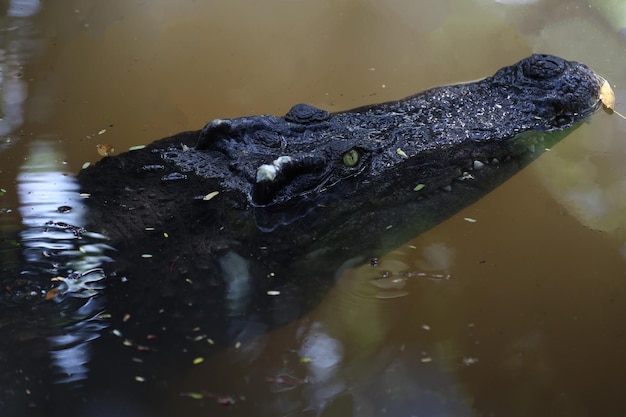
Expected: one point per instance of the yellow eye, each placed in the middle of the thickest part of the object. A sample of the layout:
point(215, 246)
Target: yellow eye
point(351, 158)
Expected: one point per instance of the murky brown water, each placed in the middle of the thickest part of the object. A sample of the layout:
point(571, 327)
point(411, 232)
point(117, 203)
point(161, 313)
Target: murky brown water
point(531, 320)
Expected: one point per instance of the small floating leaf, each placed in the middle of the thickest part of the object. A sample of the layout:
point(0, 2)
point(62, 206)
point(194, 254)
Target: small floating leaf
point(104, 149)
point(467, 361)
point(146, 255)
point(102, 131)
point(197, 361)
point(193, 395)
point(470, 220)
point(140, 379)
point(86, 164)
point(419, 187)
point(52, 293)
point(273, 292)
point(136, 148)
point(210, 195)
point(607, 97)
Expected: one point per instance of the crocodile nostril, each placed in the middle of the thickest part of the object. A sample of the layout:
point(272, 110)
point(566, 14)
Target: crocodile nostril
point(541, 67)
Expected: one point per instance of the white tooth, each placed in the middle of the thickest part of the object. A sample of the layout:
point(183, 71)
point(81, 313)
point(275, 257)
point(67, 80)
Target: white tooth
point(265, 173)
point(478, 165)
point(281, 160)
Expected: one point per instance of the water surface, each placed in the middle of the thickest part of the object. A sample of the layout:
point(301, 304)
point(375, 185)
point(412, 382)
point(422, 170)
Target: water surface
point(530, 321)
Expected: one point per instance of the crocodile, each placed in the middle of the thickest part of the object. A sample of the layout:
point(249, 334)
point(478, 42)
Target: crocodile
point(261, 205)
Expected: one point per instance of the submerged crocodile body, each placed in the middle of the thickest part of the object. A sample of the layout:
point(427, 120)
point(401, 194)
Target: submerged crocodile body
point(265, 203)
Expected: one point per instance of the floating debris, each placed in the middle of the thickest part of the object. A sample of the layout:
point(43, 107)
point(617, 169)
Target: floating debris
point(607, 97)
point(220, 399)
point(419, 187)
point(197, 361)
point(210, 195)
point(52, 293)
point(136, 148)
point(467, 361)
point(193, 395)
point(104, 149)
point(470, 220)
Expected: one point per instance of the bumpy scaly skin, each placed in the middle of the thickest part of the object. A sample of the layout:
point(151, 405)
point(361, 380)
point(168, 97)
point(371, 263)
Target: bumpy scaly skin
point(274, 160)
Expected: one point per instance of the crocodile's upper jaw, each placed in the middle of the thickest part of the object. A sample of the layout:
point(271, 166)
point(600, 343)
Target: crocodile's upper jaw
point(430, 138)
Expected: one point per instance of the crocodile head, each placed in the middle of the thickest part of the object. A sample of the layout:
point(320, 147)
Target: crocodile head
point(286, 166)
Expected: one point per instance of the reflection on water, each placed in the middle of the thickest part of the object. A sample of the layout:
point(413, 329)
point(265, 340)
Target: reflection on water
point(57, 295)
point(519, 313)
point(355, 354)
point(16, 50)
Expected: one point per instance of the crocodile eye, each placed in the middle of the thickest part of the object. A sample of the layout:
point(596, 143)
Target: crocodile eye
point(351, 158)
